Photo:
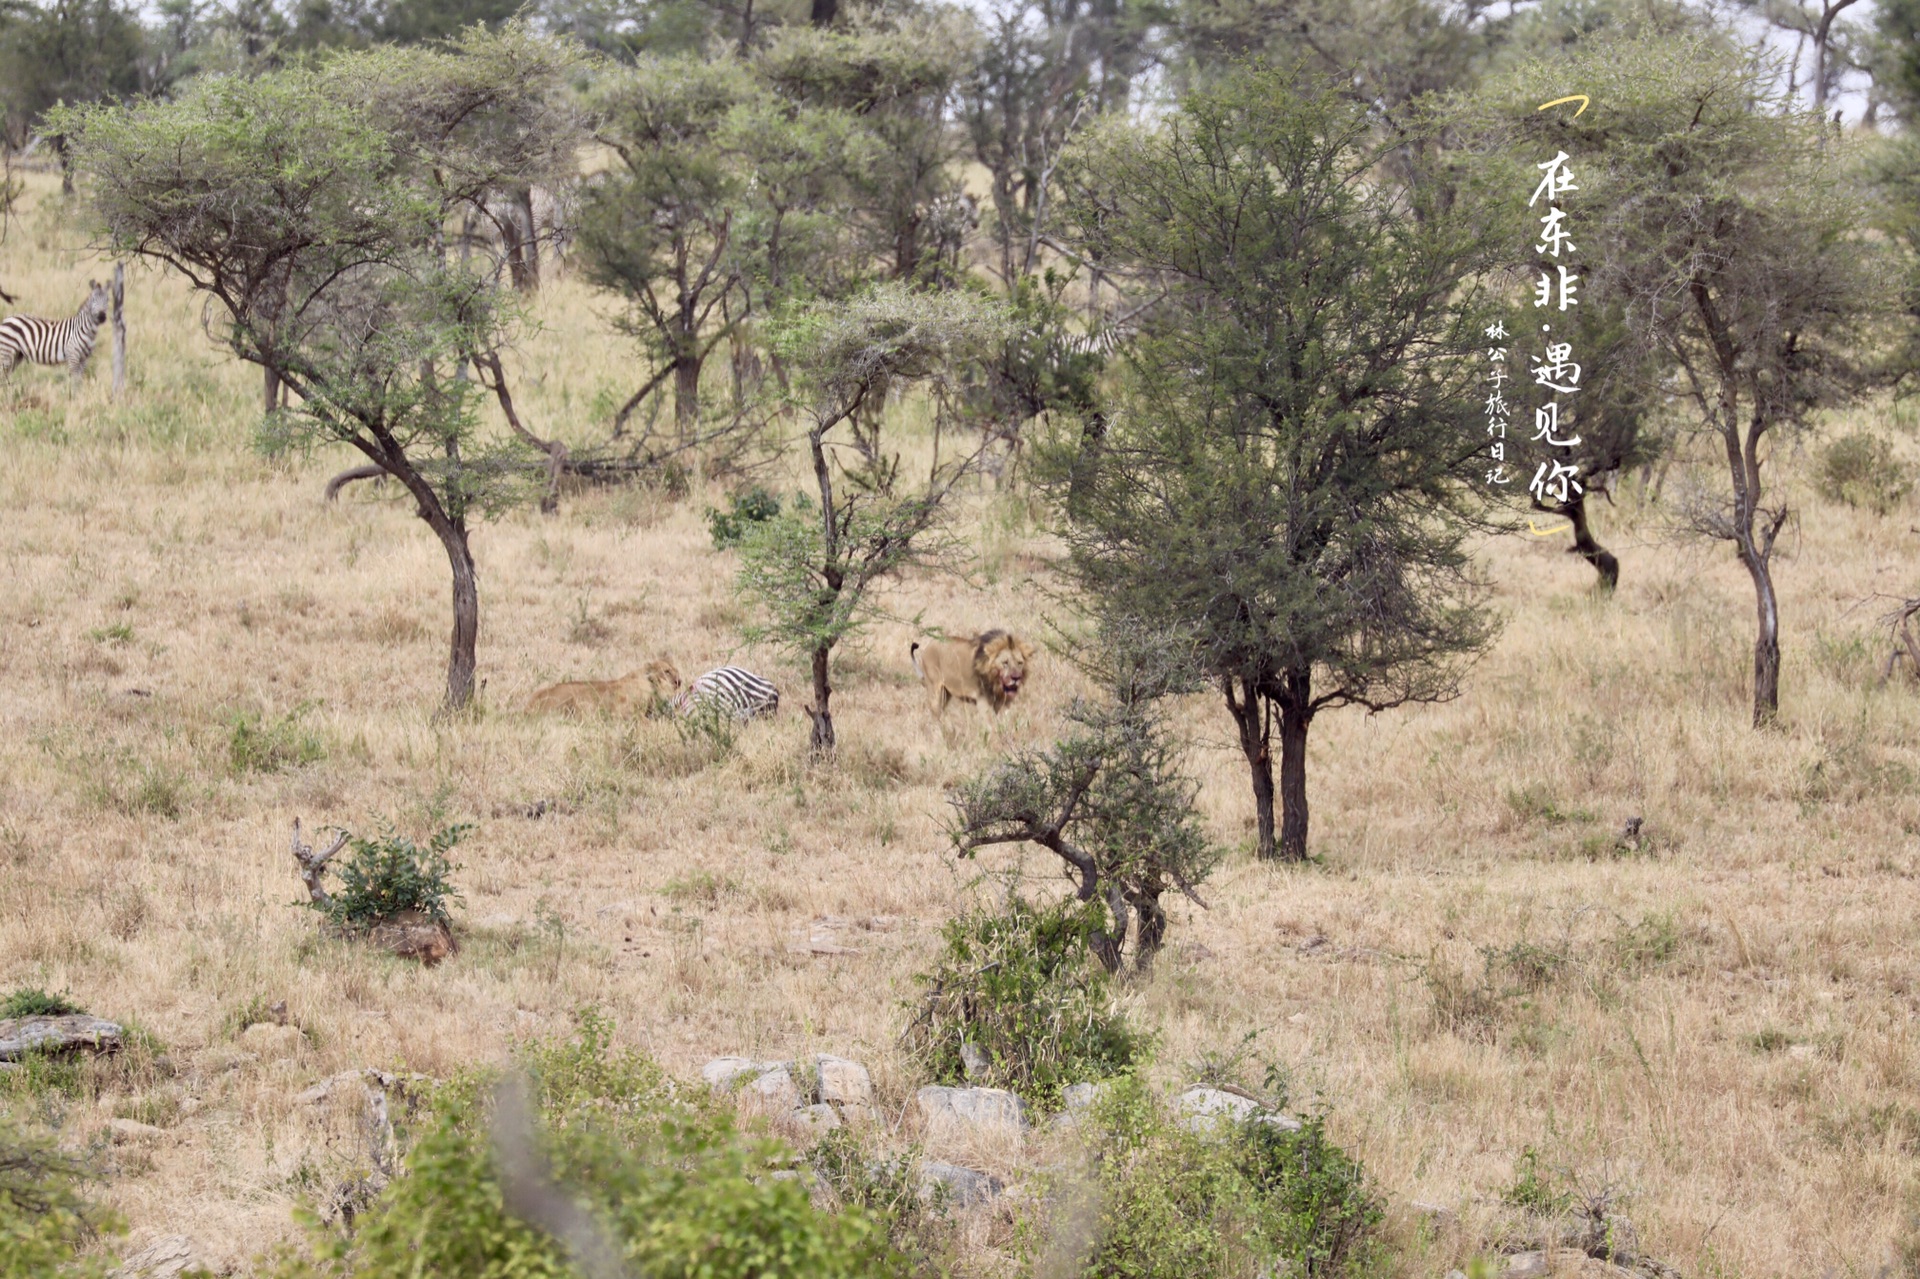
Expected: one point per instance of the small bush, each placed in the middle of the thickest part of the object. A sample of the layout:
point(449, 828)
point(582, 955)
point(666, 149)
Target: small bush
point(383, 877)
point(708, 730)
point(1022, 987)
point(1536, 1190)
point(918, 1226)
point(1238, 1200)
point(1859, 469)
point(258, 744)
point(752, 506)
point(31, 1002)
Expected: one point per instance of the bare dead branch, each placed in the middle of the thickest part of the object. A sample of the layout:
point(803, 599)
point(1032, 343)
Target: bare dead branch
point(313, 865)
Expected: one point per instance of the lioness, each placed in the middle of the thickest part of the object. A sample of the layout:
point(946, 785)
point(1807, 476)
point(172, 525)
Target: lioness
point(990, 667)
point(652, 685)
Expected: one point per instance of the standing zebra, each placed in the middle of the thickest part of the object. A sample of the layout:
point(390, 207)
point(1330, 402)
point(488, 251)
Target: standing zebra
point(68, 342)
point(731, 691)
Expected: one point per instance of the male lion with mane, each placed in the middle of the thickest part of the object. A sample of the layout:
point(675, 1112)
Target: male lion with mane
point(647, 689)
point(991, 667)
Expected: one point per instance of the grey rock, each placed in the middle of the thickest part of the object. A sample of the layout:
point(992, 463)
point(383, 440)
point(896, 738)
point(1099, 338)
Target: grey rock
point(817, 1120)
point(723, 1072)
point(1438, 1214)
point(776, 1087)
point(1526, 1265)
point(22, 1035)
point(973, 1061)
point(165, 1258)
point(1203, 1107)
point(965, 1187)
point(843, 1082)
point(1076, 1100)
point(1456, 1274)
point(326, 1089)
point(974, 1107)
point(125, 1130)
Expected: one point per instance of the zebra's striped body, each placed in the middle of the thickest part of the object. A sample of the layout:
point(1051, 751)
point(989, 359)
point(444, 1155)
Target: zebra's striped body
point(738, 693)
point(68, 342)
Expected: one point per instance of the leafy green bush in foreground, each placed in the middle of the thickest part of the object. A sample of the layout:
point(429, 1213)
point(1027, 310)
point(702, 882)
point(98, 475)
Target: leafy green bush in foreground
point(1233, 1201)
point(43, 1217)
point(1021, 986)
point(676, 1188)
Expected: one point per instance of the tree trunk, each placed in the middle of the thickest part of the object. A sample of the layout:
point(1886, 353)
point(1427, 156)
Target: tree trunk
point(517, 239)
point(824, 12)
point(119, 330)
point(1589, 550)
point(466, 600)
point(686, 392)
point(819, 713)
point(1766, 643)
point(272, 389)
point(1296, 713)
point(1151, 933)
point(1254, 733)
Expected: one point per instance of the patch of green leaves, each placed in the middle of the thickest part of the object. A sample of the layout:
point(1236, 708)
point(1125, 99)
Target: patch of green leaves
point(1021, 987)
point(383, 877)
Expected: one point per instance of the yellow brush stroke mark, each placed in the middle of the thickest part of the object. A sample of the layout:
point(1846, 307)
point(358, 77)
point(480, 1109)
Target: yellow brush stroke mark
point(1581, 98)
point(1546, 532)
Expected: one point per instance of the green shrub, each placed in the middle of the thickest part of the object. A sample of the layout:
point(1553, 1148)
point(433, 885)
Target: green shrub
point(383, 877)
point(678, 1189)
point(43, 1216)
point(258, 744)
point(751, 506)
point(1536, 1190)
point(1022, 987)
point(30, 1002)
point(1234, 1201)
point(1860, 469)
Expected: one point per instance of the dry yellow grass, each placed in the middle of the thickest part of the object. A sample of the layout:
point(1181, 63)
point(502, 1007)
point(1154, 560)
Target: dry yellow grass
point(1734, 1044)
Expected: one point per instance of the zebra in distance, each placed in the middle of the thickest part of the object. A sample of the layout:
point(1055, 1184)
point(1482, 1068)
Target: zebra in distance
point(68, 342)
point(731, 691)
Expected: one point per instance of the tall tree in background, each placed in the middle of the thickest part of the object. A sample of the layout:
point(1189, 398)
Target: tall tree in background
point(1045, 68)
point(309, 204)
point(1287, 473)
point(657, 227)
point(1732, 236)
point(71, 51)
point(894, 75)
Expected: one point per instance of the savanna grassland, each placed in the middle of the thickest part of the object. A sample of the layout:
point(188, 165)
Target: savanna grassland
point(1716, 1021)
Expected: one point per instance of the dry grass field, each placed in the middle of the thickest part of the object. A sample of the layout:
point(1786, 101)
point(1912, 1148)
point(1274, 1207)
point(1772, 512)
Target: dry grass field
point(1719, 1025)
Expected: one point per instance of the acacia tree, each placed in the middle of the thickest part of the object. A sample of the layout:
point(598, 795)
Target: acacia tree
point(1727, 228)
point(812, 568)
point(1286, 471)
point(894, 75)
point(1110, 798)
point(1607, 425)
point(658, 226)
point(308, 204)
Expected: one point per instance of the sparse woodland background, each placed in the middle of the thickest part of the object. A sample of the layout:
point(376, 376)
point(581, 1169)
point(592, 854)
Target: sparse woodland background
point(1505, 998)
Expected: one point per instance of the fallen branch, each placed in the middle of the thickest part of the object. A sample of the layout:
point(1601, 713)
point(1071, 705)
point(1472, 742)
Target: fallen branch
point(313, 865)
point(348, 476)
